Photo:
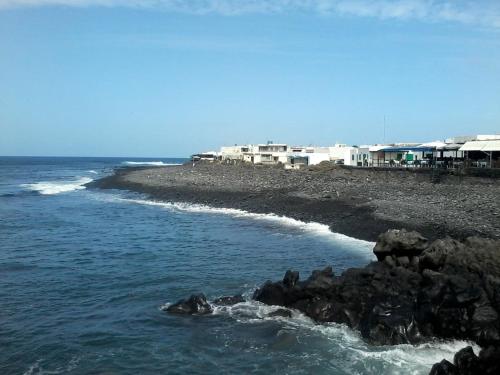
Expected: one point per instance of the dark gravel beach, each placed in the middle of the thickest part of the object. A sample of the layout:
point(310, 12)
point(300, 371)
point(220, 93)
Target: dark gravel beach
point(361, 203)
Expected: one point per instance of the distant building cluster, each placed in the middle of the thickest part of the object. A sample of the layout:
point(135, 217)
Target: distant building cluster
point(467, 151)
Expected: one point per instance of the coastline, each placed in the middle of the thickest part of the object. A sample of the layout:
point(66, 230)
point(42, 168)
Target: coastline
point(419, 288)
point(359, 203)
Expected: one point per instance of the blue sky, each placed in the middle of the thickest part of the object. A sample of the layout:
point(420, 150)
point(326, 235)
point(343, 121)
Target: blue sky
point(169, 77)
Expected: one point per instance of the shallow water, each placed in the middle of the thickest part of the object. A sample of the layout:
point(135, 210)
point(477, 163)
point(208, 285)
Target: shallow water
point(84, 273)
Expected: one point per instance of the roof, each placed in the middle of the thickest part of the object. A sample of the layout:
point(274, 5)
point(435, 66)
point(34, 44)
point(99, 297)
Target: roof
point(272, 144)
point(481, 146)
point(408, 148)
point(479, 137)
point(377, 148)
point(435, 144)
point(450, 146)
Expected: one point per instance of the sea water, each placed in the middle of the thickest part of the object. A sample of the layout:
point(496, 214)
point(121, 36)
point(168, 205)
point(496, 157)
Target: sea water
point(84, 274)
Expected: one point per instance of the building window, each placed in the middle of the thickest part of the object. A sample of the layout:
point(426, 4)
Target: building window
point(352, 158)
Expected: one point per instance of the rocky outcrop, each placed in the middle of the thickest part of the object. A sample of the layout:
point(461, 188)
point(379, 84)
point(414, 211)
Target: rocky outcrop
point(195, 305)
point(415, 291)
point(466, 362)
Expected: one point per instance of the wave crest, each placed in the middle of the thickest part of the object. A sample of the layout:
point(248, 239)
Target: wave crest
point(315, 228)
point(153, 163)
point(358, 355)
point(57, 187)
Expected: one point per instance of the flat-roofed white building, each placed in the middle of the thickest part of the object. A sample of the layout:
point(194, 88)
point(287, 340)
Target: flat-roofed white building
point(270, 153)
point(234, 153)
point(350, 155)
point(314, 155)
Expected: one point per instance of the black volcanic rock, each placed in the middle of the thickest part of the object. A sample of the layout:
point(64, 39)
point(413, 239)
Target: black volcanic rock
point(399, 243)
point(290, 279)
point(416, 291)
point(196, 304)
point(444, 368)
point(466, 362)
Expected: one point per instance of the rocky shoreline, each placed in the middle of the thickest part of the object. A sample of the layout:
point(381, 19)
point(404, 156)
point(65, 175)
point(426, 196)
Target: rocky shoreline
point(360, 203)
point(422, 286)
point(416, 291)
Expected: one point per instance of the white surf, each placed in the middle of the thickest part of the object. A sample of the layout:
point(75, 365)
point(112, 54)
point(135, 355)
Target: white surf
point(317, 229)
point(152, 163)
point(57, 187)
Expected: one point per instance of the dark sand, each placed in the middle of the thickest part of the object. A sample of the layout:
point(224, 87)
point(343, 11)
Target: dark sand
point(361, 203)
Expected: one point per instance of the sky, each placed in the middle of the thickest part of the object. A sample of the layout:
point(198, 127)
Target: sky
point(159, 78)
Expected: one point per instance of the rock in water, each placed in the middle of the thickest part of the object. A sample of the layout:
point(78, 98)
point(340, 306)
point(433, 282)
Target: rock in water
point(196, 304)
point(444, 368)
point(416, 291)
point(466, 362)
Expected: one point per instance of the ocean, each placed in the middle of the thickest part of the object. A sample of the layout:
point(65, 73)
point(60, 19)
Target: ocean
point(84, 274)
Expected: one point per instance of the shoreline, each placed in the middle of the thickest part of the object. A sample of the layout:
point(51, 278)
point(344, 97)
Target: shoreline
point(418, 288)
point(356, 203)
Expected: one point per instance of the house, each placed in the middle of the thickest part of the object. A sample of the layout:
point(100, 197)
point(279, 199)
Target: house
point(314, 155)
point(297, 162)
point(270, 153)
point(350, 155)
point(234, 153)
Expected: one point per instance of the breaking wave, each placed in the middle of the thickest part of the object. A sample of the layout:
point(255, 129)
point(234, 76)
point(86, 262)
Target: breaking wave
point(318, 229)
point(57, 187)
point(357, 355)
point(153, 163)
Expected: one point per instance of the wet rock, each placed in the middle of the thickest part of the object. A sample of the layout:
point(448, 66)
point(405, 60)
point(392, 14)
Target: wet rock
point(404, 298)
point(271, 294)
point(291, 278)
point(229, 300)
point(399, 242)
point(466, 361)
point(195, 305)
point(444, 368)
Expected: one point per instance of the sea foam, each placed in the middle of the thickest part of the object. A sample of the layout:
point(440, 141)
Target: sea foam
point(315, 228)
point(395, 359)
point(358, 355)
point(153, 163)
point(57, 187)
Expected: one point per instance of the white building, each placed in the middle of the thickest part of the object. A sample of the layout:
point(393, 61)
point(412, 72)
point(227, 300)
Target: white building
point(281, 153)
point(270, 153)
point(350, 155)
point(314, 155)
point(234, 153)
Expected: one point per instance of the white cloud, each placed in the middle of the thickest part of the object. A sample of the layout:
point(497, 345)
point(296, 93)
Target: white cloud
point(478, 12)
